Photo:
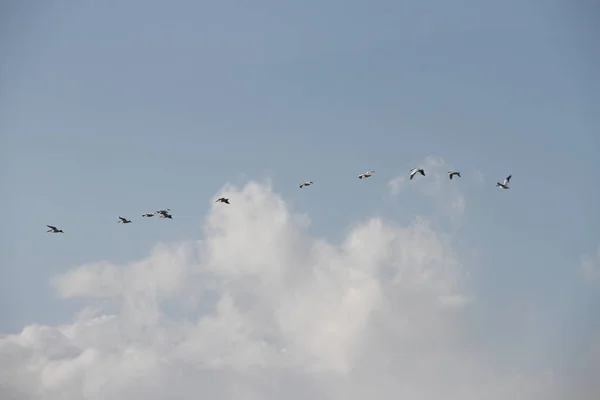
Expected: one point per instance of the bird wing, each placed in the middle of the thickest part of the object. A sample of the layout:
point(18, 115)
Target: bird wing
point(51, 227)
point(507, 179)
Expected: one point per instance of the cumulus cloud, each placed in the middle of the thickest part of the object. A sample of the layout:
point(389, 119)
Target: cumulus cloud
point(259, 309)
point(590, 265)
point(446, 195)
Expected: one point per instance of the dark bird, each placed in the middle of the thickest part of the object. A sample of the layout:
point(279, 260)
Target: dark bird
point(124, 220)
point(222, 200)
point(54, 229)
point(452, 173)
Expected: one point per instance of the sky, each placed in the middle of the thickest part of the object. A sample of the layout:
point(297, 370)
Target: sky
point(422, 289)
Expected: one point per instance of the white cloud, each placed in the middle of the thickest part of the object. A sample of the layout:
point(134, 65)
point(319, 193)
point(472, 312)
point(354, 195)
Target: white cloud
point(396, 185)
point(258, 309)
point(446, 194)
point(590, 266)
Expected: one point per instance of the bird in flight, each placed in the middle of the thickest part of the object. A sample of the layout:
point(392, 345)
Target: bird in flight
point(307, 183)
point(366, 174)
point(222, 200)
point(164, 212)
point(54, 229)
point(452, 173)
point(148, 215)
point(504, 185)
point(415, 171)
point(124, 220)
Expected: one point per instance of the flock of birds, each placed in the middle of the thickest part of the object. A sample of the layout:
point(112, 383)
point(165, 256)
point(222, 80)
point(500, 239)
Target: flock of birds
point(165, 212)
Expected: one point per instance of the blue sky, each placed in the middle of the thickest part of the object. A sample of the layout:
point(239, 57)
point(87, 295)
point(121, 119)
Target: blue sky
point(120, 108)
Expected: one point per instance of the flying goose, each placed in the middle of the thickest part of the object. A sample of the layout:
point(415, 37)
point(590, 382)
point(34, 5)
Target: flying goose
point(366, 174)
point(54, 229)
point(452, 173)
point(504, 185)
point(124, 220)
point(148, 215)
point(222, 200)
point(414, 171)
point(166, 215)
point(307, 183)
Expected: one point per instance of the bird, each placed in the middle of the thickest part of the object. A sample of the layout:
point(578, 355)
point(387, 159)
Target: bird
point(54, 229)
point(414, 171)
point(307, 183)
point(147, 215)
point(166, 215)
point(504, 185)
point(452, 173)
point(124, 220)
point(162, 211)
point(222, 200)
point(366, 174)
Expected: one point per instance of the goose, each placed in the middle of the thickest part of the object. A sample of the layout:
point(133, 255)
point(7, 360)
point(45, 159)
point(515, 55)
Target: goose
point(54, 229)
point(504, 185)
point(124, 220)
point(452, 173)
point(148, 215)
point(166, 210)
point(414, 171)
point(166, 215)
point(307, 183)
point(222, 200)
point(366, 174)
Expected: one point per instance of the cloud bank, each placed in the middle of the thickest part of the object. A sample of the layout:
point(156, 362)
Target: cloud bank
point(259, 309)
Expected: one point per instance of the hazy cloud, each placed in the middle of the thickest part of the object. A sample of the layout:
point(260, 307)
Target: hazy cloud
point(590, 265)
point(446, 196)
